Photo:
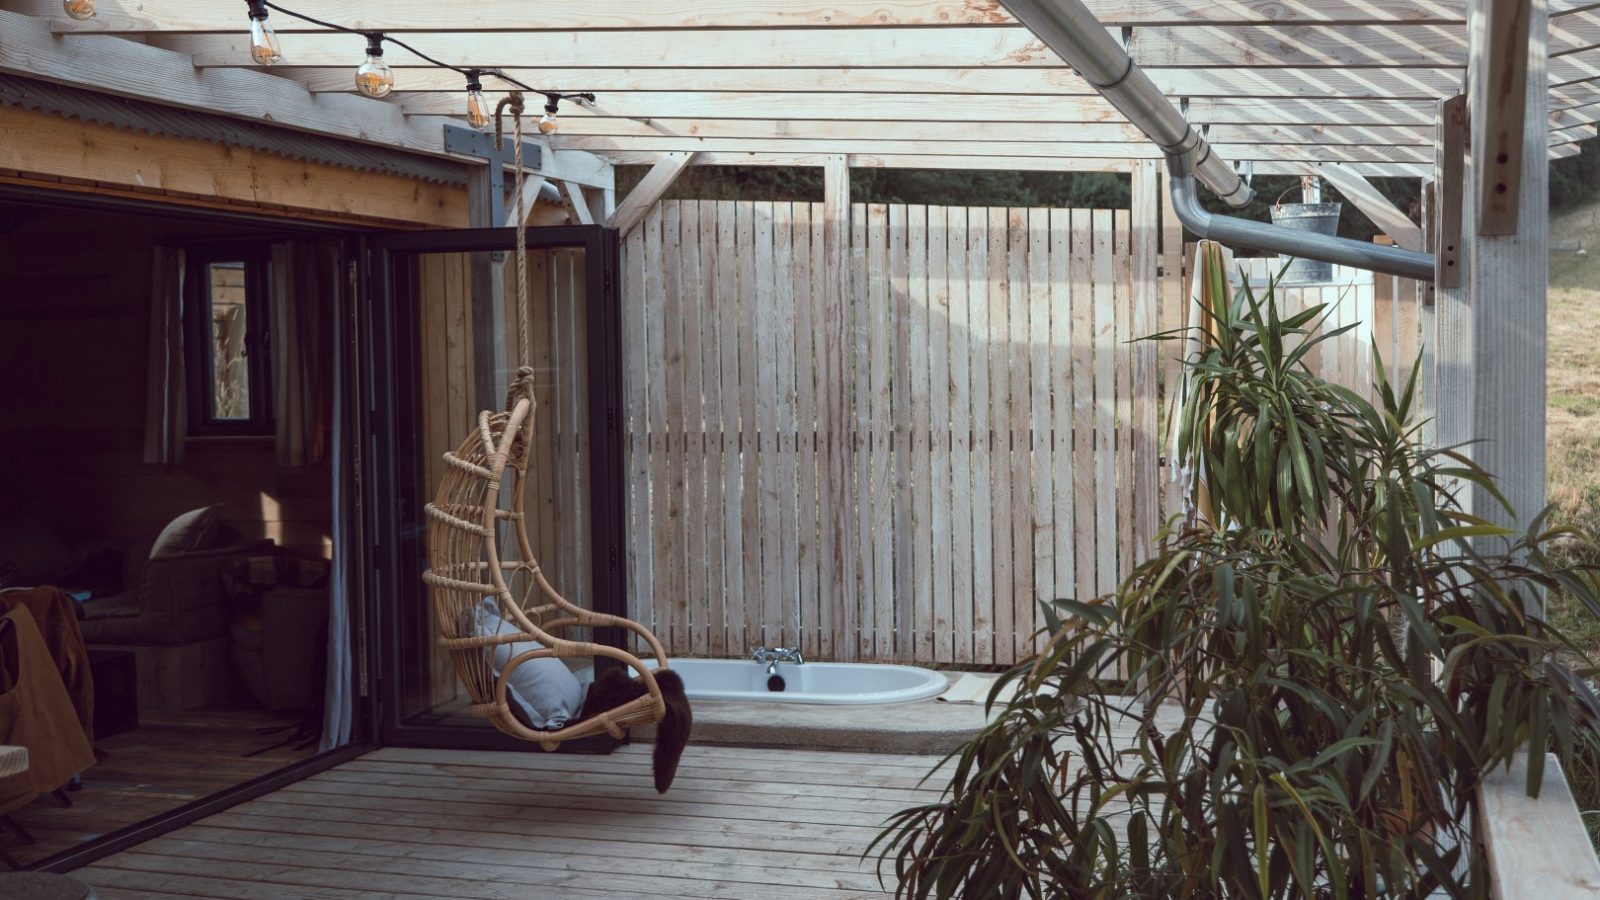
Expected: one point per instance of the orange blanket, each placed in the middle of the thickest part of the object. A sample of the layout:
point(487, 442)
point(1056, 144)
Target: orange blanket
point(35, 712)
point(57, 617)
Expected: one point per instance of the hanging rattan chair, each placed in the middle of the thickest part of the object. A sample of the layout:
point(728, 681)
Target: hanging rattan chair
point(467, 563)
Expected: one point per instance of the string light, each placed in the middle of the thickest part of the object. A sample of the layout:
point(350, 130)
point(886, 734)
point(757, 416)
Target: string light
point(477, 105)
point(374, 78)
point(264, 46)
point(547, 122)
point(79, 9)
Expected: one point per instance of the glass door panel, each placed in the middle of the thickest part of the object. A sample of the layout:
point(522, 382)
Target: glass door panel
point(459, 338)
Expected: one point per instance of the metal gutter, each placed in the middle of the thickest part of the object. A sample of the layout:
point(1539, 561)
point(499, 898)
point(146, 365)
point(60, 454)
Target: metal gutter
point(1235, 231)
point(1068, 28)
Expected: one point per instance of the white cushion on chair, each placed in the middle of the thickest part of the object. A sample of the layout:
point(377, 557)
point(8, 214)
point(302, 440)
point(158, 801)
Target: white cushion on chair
point(542, 693)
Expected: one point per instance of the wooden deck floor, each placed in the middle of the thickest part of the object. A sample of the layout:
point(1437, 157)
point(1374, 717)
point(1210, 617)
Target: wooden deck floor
point(169, 760)
point(744, 823)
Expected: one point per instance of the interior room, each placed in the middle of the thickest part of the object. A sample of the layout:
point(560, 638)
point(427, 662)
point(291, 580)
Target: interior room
point(165, 515)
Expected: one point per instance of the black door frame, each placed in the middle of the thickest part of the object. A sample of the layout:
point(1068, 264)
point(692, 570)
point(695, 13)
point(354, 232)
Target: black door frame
point(389, 348)
point(363, 731)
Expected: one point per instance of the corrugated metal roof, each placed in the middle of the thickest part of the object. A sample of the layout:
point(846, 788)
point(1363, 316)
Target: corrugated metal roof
point(151, 118)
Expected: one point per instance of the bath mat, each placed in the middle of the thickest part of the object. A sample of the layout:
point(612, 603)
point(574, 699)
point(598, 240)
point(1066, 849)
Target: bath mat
point(972, 688)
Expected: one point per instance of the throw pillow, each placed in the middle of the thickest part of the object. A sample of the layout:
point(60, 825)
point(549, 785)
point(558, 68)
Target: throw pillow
point(191, 531)
point(542, 693)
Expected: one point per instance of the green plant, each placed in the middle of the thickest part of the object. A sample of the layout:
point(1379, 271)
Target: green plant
point(1298, 693)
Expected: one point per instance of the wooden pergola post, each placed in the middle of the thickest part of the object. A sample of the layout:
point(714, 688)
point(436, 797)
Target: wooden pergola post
point(1490, 354)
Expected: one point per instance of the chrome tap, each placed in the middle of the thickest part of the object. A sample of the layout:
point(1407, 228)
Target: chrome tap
point(774, 655)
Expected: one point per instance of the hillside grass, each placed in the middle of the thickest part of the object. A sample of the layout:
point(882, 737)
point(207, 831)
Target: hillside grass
point(1572, 436)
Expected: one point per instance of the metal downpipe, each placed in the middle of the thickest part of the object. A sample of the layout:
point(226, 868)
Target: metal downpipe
point(1068, 28)
point(1239, 232)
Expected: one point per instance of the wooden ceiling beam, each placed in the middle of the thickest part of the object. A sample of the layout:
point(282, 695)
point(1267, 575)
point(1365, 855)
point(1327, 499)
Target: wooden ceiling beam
point(959, 129)
point(140, 16)
point(990, 163)
point(941, 108)
point(1432, 46)
point(1317, 83)
point(1140, 149)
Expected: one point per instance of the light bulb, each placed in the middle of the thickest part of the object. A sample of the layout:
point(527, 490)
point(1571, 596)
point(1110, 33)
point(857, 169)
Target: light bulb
point(79, 9)
point(374, 78)
point(547, 123)
point(264, 47)
point(477, 104)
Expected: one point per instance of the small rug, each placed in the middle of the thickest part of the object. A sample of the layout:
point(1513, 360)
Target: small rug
point(971, 688)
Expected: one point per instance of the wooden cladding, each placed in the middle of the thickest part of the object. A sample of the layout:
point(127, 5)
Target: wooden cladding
point(998, 436)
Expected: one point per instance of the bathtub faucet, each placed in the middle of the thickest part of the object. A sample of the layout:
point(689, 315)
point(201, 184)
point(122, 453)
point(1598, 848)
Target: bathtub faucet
point(774, 655)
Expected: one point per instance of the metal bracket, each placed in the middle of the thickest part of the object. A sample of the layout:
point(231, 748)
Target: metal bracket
point(472, 142)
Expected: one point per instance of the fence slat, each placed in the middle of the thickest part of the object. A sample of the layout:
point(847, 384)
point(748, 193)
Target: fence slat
point(1061, 448)
point(880, 437)
point(1122, 252)
point(1105, 405)
point(904, 534)
point(691, 293)
point(729, 301)
point(1040, 343)
point(919, 460)
point(963, 543)
point(676, 581)
point(660, 525)
point(710, 300)
point(750, 366)
point(783, 444)
point(765, 431)
point(807, 530)
point(1145, 261)
point(635, 359)
point(827, 339)
point(1019, 446)
point(858, 629)
point(984, 516)
point(939, 483)
point(1084, 406)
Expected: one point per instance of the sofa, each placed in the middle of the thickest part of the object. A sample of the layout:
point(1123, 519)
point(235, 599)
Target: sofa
point(165, 605)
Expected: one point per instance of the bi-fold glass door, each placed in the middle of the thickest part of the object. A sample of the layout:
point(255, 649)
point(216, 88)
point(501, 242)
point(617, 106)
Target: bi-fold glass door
point(444, 339)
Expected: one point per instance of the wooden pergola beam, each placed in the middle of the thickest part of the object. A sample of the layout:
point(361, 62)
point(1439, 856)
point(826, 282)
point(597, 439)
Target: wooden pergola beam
point(645, 135)
point(983, 163)
point(631, 211)
point(1386, 46)
point(1140, 149)
point(1058, 80)
point(1358, 190)
point(134, 16)
point(857, 106)
point(138, 17)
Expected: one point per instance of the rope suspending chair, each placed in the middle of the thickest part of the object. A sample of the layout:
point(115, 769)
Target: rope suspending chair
point(468, 561)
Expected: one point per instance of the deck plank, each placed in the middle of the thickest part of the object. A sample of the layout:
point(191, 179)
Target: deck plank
point(740, 822)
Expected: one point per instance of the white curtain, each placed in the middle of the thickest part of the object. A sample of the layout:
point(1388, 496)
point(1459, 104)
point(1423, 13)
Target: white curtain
point(304, 281)
point(166, 418)
point(339, 693)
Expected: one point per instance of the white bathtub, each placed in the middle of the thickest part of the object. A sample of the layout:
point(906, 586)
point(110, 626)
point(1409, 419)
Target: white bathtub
point(812, 682)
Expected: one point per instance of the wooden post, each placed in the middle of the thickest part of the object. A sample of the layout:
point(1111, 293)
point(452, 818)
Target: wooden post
point(1491, 352)
point(841, 561)
point(489, 376)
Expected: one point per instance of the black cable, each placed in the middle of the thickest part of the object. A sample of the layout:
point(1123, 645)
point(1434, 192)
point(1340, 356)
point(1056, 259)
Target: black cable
point(550, 96)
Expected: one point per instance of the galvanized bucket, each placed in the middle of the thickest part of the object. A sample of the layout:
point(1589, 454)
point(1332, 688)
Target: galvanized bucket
point(1317, 218)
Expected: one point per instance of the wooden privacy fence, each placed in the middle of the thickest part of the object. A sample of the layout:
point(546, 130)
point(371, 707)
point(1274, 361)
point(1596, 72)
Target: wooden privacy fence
point(901, 476)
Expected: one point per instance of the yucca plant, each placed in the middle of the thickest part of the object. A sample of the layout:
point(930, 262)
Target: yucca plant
point(1311, 677)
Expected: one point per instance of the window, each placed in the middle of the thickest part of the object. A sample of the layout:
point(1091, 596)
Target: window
point(226, 332)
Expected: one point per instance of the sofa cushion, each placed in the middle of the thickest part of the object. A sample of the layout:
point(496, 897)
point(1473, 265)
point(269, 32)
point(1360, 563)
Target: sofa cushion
point(542, 693)
point(194, 530)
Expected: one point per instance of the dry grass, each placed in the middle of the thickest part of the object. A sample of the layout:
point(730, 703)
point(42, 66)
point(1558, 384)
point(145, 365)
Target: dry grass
point(1572, 434)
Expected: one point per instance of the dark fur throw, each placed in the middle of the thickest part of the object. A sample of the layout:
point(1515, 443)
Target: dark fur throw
point(672, 732)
